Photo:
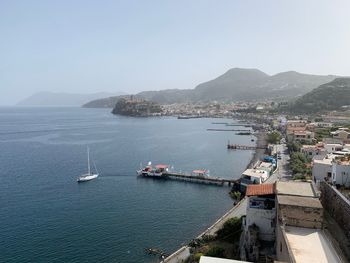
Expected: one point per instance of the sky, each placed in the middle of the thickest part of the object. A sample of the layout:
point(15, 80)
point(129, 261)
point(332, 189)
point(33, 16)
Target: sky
point(84, 46)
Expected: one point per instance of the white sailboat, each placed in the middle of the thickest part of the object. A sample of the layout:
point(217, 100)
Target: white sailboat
point(89, 176)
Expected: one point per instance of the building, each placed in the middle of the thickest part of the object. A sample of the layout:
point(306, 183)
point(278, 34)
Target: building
point(299, 237)
point(322, 168)
point(302, 136)
point(299, 244)
point(333, 147)
point(343, 134)
point(258, 225)
point(253, 176)
point(206, 259)
point(341, 171)
point(311, 151)
point(266, 166)
point(333, 168)
point(261, 210)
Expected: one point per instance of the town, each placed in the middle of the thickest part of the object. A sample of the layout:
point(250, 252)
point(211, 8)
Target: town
point(293, 201)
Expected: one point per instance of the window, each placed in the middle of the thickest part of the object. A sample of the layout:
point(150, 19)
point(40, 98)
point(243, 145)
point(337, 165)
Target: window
point(280, 246)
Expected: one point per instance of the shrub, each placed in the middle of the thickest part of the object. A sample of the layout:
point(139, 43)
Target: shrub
point(231, 230)
point(197, 256)
point(216, 252)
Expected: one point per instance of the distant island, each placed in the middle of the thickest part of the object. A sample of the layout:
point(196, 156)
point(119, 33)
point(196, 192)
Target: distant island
point(62, 99)
point(134, 107)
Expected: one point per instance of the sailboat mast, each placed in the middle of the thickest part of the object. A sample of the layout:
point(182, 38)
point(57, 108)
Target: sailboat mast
point(88, 152)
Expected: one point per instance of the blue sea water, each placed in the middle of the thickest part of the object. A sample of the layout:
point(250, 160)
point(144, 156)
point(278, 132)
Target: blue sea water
point(46, 216)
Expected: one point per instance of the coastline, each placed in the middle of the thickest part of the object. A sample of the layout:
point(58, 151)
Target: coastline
point(261, 141)
point(183, 252)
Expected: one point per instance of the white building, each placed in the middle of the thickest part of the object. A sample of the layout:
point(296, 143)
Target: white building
point(333, 147)
point(254, 176)
point(341, 171)
point(261, 210)
point(322, 168)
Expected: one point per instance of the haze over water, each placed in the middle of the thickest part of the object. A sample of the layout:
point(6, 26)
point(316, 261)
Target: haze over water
point(47, 217)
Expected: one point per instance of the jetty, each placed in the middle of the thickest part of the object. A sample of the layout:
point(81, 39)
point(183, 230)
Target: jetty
point(197, 176)
point(199, 179)
point(243, 147)
point(229, 130)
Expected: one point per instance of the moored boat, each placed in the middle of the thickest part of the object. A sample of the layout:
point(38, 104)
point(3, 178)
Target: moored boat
point(89, 175)
point(151, 171)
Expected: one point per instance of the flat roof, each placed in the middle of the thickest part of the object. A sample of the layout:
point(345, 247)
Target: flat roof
point(299, 201)
point(310, 245)
point(205, 259)
point(255, 173)
point(295, 188)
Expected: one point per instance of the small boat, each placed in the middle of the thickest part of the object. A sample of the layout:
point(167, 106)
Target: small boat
point(150, 171)
point(89, 176)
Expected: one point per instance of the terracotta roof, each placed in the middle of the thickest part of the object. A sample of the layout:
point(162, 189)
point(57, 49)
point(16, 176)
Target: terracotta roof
point(260, 189)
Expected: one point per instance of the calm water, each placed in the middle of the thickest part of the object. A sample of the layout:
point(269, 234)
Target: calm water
point(47, 217)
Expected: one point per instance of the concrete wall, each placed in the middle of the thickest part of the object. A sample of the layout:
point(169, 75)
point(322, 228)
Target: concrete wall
point(320, 171)
point(339, 209)
point(341, 174)
point(337, 206)
point(265, 220)
point(282, 250)
point(300, 216)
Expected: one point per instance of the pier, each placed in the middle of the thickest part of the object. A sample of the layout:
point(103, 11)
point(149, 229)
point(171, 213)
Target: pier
point(196, 179)
point(229, 130)
point(243, 147)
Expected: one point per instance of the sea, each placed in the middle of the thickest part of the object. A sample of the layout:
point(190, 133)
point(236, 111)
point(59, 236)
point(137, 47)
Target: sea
point(46, 216)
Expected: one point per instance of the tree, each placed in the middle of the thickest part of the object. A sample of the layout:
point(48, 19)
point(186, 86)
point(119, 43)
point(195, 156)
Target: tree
point(274, 137)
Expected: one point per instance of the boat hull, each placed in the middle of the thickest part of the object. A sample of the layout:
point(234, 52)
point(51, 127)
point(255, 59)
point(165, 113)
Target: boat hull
point(86, 178)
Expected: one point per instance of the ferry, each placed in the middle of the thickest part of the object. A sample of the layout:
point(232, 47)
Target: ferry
point(150, 171)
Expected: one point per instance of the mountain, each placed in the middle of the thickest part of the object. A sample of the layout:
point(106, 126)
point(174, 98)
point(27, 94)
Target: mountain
point(327, 97)
point(62, 99)
point(236, 84)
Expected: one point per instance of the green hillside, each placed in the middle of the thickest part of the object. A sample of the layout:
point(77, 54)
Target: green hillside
point(334, 95)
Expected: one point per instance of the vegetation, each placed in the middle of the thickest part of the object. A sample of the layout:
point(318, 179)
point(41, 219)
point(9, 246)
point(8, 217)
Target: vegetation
point(294, 147)
point(334, 95)
point(231, 230)
point(216, 251)
point(274, 137)
point(236, 195)
point(321, 133)
point(300, 165)
point(136, 107)
point(224, 244)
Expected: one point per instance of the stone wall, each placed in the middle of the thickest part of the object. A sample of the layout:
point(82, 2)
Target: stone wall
point(301, 216)
point(336, 205)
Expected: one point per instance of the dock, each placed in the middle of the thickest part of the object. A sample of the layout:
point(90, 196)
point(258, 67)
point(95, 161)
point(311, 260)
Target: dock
point(243, 147)
point(196, 179)
point(229, 130)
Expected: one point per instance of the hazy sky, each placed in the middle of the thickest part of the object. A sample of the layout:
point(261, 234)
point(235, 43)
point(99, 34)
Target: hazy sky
point(89, 46)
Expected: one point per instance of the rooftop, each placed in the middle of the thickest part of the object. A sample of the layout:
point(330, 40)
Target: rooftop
point(295, 188)
point(310, 245)
point(255, 173)
point(299, 201)
point(260, 189)
point(205, 259)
